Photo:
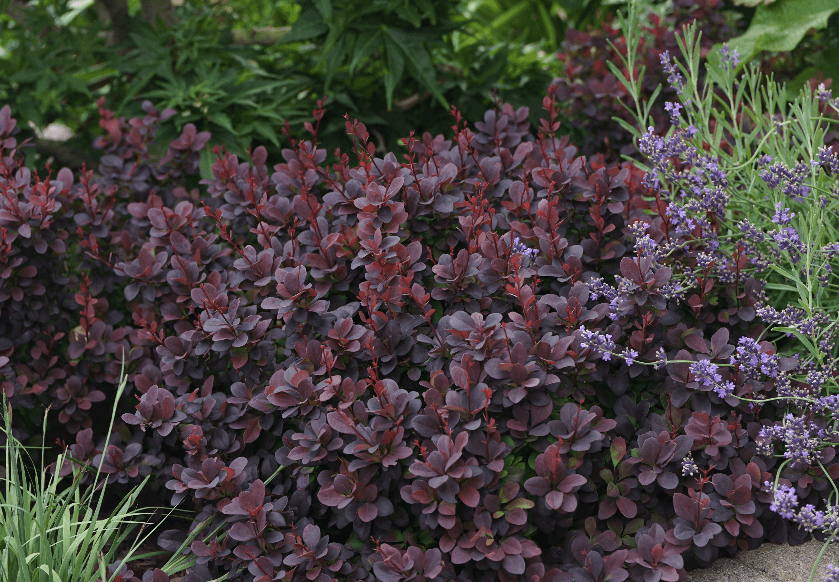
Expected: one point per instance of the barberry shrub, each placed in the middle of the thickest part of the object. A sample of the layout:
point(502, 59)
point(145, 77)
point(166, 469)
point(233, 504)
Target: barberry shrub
point(492, 360)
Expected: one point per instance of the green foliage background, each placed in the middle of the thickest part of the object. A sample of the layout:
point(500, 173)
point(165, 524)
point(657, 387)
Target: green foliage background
point(396, 65)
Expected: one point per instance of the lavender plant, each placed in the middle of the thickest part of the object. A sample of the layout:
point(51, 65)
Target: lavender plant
point(745, 169)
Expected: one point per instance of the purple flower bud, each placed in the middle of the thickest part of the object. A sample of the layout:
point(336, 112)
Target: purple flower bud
point(662, 359)
point(673, 109)
point(801, 438)
point(809, 518)
point(753, 360)
point(823, 93)
point(782, 215)
point(601, 343)
point(785, 501)
point(706, 372)
point(724, 390)
point(730, 58)
point(689, 467)
point(522, 249)
point(674, 77)
point(788, 240)
point(827, 157)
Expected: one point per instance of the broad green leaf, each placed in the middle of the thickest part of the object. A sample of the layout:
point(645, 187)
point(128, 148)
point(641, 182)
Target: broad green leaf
point(824, 63)
point(96, 73)
point(309, 25)
point(811, 347)
point(780, 26)
point(547, 23)
point(617, 450)
point(47, 570)
point(26, 76)
point(521, 503)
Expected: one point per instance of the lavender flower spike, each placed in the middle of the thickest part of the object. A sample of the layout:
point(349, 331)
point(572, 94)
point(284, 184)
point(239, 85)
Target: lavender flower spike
point(782, 215)
point(785, 500)
point(674, 76)
point(522, 249)
point(706, 372)
point(662, 359)
point(730, 58)
point(601, 343)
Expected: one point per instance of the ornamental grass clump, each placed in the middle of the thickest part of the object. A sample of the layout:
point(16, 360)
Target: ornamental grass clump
point(484, 358)
point(54, 531)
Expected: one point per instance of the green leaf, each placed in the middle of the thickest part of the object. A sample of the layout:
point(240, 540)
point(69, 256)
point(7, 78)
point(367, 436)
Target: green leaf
point(365, 49)
point(780, 26)
point(333, 58)
point(223, 120)
point(310, 24)
point(205, 165)
point(825, 63)
point(439, 310)
point(780, 287)
point(325, 8)
point(68, 17)
point(506, 19)
point(520, 503)
point(633, 526)
point(419, 61)
point(547, 24)
point(617, 450)
point(268, 133)
point(395, 67)
point(355, 543)
point(811, 347)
